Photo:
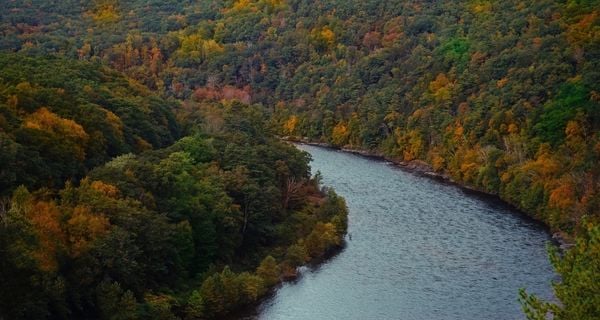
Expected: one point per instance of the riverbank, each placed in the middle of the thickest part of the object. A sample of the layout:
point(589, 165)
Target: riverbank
point(419, 249)
point(251, 311)
point(420, 167)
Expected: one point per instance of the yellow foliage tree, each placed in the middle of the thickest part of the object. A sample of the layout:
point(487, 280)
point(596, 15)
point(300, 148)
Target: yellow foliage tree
point(195, 47)
point(289, 127)
point(255, 5)
point(106, 13)
point(323, 38)
point(441, 87)
point(470, 163)
point(269, 271)
point(459, 132)
point(438, 162)
point(45, 218)
point(481, 6)
point(114, 122)
point(328, 35)
point(340, 134)
point(323, 237)
point(544, 166)
point(83, 228)
point(241, 4)
point(45, 120)
point(414, 145)
point(105, 188)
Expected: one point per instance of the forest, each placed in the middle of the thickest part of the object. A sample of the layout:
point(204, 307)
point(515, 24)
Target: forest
point(113, 208)
point(149, 129)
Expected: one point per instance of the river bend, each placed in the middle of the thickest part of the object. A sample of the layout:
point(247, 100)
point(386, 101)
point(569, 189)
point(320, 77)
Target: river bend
point(417, 249)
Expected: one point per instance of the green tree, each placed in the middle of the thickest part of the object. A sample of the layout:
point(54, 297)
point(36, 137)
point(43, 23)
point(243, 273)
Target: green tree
point(195, 306)
point(269, 271)
point(114, 303)
point(579, 287)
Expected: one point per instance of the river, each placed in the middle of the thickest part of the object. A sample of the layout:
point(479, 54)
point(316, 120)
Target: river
point(416, 249)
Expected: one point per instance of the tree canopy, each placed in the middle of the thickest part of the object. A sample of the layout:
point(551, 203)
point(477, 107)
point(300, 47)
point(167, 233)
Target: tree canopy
point(168, 109)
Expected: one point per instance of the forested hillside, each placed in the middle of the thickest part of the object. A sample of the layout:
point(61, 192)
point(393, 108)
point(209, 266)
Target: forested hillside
point(60, 117)
point(195, 230)
point(501, 96)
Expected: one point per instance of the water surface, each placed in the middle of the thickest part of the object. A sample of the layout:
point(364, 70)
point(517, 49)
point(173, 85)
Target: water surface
point(416, 249)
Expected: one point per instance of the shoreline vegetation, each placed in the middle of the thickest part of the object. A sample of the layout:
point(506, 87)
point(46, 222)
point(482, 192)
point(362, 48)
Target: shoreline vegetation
point(561, 239)
point(90, 225)
point(574, 258)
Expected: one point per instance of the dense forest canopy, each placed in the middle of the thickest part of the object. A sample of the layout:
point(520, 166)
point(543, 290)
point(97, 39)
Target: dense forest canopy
point(196, 230)
point(61, 117)
point(501, 96)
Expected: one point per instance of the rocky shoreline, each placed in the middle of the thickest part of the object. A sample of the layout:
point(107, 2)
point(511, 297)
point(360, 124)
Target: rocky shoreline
point(562, 240)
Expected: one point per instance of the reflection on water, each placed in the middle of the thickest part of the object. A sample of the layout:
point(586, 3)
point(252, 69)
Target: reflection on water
point(417, 249)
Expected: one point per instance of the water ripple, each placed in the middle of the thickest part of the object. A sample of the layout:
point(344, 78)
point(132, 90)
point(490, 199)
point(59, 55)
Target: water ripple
point(419, 250)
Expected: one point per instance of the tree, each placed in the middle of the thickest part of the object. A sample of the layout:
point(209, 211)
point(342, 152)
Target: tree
point(114, 303)
point(195, 306)
point(321, 239)
point(252, 287)
point(160, 306)
point(296, 255)
point(83, 228)
point(579, 287)
point(269, 271)
point(340, 134)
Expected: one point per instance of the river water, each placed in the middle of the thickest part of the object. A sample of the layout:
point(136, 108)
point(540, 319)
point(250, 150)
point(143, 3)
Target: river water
point(416, 249)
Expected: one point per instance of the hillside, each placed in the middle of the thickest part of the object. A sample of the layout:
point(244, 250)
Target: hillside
point(501, 96)
point(60, 118)
point(195, 230)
